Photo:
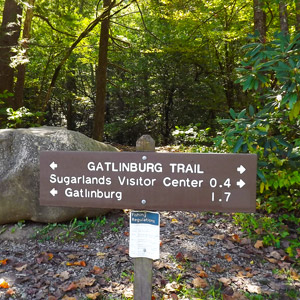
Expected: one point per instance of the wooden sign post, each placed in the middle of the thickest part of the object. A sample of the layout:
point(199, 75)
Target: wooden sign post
point(144, 181)
point(142, 265)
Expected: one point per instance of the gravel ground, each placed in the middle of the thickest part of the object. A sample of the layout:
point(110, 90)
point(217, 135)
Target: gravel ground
point(198, 251)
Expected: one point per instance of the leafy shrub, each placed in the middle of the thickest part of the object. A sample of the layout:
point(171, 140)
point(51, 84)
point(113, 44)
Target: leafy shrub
point(272, 132)
point(191, 135)
point(22, 117)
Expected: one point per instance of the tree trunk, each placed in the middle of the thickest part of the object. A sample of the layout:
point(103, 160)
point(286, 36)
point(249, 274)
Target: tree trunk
point(19, 88)
point(101, 76)
point(9, 35)
point(71, 88)
point(259, 20)
point(167, 111)
point(283, 17)
point(298, 15)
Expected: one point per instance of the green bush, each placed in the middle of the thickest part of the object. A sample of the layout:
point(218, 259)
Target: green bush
point(192, 135)
point(22, 118)
point(271, 130)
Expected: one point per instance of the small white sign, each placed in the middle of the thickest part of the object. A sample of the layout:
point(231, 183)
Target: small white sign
point(144, 234)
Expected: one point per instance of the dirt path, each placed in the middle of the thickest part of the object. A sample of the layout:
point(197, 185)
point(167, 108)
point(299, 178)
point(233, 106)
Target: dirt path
point(201, 254)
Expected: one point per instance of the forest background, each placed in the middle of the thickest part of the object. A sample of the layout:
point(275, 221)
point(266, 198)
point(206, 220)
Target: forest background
point(210, 76)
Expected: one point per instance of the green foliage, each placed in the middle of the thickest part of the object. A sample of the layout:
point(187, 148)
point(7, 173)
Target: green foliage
point(74, 230)
point(5, 95)
point(22, 118)
point(192, 135)
point(271, 132)
point(272, 229)
point(274, 70)
point(19, 225)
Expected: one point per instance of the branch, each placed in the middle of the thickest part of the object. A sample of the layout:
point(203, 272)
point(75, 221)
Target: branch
point(131, 28)
point(119, 67)
point(114, 40)
point(48, 22)
point(142, 17)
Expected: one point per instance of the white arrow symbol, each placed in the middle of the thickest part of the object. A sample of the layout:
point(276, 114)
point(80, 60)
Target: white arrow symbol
point(53, 165)
point(240, 183)
point(241, 169)
point(53, 192)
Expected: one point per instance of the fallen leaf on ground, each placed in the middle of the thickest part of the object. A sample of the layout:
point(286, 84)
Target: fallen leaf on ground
point(128, 293)
point(85, 281)
point(97, 270)
point(219, 237)
point(123, 249)
point(174, 296)
point(171, 287)
point(160, 265)
point(253, 289)
point(65, 275)
point(210, 243)
point(228, 257)
point(195, 232)
point(93, 296)
point(259, 230)
point(225, 281)
point(192, 228)
point(180, 256)
point(235, 296)
point(199, 282)
point(236, 238)
point(101, 255)
point(4, 284)
point(259, 244)
point(76, 263)
point(3, 261)
point(174, 221)
point(294, 275)
point(275, 255)
point(10, 292)
point(272, 260)
point(21, 268)
point(68, 298)
point(202, 274)
point(197, 221)
point(44, 257)
point(217, 269)
point(71, 286)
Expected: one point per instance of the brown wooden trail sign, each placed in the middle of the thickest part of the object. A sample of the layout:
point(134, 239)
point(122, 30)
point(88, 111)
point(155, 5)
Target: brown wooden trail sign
point(149, 181)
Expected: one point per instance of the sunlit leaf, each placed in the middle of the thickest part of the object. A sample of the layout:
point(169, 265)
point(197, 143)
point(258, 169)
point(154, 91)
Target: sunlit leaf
point(199, 282)
point(4, 284)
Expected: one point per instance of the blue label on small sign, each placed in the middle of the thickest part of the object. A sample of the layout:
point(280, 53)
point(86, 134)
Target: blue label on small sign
point(145, 218)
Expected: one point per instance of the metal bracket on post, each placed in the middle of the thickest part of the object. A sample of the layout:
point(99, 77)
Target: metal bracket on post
point(143, 266)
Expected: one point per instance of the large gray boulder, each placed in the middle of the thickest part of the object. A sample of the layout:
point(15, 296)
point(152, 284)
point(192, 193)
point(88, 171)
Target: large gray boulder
point(19, 172)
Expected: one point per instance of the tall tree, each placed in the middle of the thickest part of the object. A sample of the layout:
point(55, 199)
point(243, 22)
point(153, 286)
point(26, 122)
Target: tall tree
point(101, 75)
point(260, 20)
point(19, 88)
point(297, 15)
point(283, 17)
point(9, 35)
